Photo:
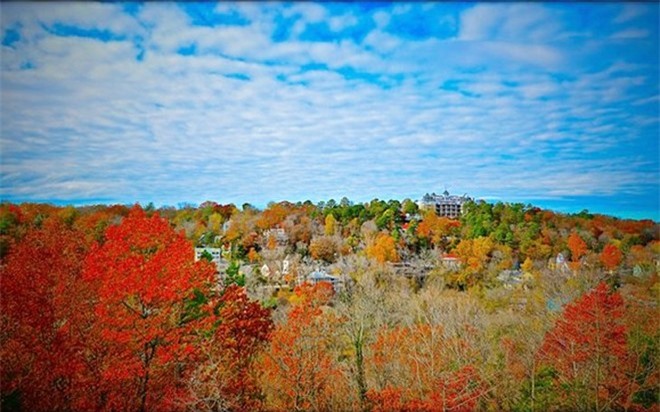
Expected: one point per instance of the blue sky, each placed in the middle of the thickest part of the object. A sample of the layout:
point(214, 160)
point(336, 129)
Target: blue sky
point(553, 104)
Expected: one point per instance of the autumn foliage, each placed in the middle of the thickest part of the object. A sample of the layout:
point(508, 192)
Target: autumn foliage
point(383, 249)
point(298, 369)
point(577, 246)
point(588, 350)
point(226, 376)
point(143, 274)
point(45, 318)
point(104, 308)
point(611, 256)
point(431, 363)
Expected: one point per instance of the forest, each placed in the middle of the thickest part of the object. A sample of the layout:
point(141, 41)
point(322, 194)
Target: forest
point(509, 308)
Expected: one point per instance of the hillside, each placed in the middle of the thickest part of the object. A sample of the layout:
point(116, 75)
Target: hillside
point(336, 306)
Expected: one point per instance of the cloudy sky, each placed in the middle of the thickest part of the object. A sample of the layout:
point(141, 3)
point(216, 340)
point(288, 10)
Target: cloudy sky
point(553, 104)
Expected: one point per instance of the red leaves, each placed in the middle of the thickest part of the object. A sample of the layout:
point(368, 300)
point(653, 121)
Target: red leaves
point(244, 324)
point(460, 391)
point(587, 347)
point(44, 311)
point(143, 272)
point(426, 360)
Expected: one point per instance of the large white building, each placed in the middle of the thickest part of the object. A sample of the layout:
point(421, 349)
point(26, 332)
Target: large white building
point(446, 205)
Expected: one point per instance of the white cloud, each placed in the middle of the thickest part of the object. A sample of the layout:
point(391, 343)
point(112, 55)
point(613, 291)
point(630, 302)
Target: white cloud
point(90, 120)
point(511, 22)
point(339, 23)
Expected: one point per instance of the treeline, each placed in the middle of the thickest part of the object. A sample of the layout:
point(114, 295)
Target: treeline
point(509, 308)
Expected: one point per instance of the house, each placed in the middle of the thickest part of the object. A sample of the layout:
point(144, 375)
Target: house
point(510, 278)
point(446, 205)
point(560, 263)
point(275, 270)
point(320, 275)
point(450, 261)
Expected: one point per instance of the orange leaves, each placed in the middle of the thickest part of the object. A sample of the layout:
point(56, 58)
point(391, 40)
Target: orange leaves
point(253, 255)
point(298, 368)
point(383, 249)
point(577, 246)
point(611, 256)
point(273, 216)
point(387, 400)
point(419, 371)
point(324, 248)
point(435, 227)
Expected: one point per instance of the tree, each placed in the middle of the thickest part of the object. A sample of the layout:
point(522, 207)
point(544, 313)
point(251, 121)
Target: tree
point(324, 248)
point(298, 367)
point(144, 274)
point(226, 378)
point(44, 314)
point(423, 375)
point(577, 247)
point(330, 224)
point(434, 228)
point(611, 256)
point(383, 249)
point(587, 350)
point(362, 310)
point(474, 255)
point(429, 360)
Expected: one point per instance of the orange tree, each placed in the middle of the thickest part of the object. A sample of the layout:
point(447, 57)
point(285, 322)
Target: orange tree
point(298, 367)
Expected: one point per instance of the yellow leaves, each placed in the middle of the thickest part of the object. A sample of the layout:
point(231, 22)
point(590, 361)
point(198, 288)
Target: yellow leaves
point(474, 253)
point(330, 225)
point(215, 222)
point(383, 249)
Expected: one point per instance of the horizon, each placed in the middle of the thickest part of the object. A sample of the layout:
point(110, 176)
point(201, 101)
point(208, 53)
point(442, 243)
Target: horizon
point(548, 205)
point(554, 105)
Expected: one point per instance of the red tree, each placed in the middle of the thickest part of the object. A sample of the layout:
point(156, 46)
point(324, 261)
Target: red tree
point(144, 274)
point(587, 348)
point(44, 319)
point(226, 378)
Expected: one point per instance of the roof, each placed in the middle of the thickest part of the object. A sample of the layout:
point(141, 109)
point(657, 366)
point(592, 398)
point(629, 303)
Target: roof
point(320, 275)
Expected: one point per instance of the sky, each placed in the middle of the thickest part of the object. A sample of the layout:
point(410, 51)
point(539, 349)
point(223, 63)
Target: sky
point(552, 104)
